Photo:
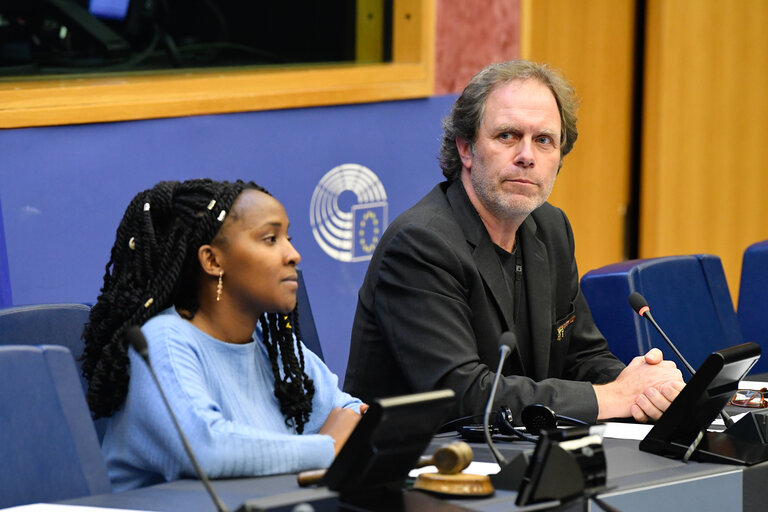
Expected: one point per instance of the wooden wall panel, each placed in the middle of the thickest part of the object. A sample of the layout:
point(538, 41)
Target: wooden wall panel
point(592, 43)
point(705, 112)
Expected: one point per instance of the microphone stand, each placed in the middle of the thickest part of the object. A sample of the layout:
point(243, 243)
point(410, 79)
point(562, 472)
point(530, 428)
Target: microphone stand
point(505, 350)
point(139, 343)
point(510, 473)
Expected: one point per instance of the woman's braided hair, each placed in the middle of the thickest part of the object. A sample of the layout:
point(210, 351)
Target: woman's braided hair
point(153, 265)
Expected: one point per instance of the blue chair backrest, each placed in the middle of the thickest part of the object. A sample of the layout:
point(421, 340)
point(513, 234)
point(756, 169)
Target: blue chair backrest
point(48, 445)
point(306, 320)
point(753, 299)
point(46, 324)
point(50, 324)
point(688, 296)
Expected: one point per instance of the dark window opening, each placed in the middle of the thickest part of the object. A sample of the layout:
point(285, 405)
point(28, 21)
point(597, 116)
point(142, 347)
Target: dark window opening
point(53, 37)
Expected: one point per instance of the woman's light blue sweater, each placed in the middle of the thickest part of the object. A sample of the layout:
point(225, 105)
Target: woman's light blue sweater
point(223, 397)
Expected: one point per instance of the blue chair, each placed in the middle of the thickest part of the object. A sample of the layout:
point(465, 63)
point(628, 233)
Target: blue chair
point(753, 299)
point(48, 446)
point(50, 324)
point(46, 324)
point(306, 320)
point(688, 297)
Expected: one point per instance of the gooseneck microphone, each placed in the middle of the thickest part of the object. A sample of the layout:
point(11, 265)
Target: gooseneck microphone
point(139, 343)
point(507, 339)
point(641, 307)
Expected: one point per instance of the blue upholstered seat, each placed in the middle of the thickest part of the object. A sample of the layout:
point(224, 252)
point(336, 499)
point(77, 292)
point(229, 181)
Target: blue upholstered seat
point(688, 296)
point(753, 299)
point(46, 324)
point(48, 445)
point(50, 324)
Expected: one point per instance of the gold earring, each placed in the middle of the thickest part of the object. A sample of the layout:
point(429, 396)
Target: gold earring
point(220, 286)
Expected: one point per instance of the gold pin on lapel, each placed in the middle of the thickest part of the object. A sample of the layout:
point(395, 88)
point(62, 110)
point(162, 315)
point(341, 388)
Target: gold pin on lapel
point(561, 329)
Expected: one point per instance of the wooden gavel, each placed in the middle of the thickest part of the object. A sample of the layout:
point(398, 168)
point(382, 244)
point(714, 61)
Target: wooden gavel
point(449, 460)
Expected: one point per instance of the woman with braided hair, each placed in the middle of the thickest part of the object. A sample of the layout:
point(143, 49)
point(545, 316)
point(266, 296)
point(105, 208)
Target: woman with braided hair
point(208, 270)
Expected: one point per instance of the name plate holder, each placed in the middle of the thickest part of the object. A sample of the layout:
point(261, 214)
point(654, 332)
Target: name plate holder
point(565, 464)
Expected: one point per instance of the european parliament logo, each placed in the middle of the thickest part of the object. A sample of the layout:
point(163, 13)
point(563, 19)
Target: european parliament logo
point(348, 212)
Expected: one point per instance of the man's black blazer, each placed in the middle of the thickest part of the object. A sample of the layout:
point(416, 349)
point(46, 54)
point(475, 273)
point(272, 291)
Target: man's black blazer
point(435, 302)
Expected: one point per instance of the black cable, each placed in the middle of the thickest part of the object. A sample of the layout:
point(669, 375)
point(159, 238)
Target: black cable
point(506, 425)
point(238, 47)
point(173, 51)
point(224, 35)
point(75, 66)
point(449, 424)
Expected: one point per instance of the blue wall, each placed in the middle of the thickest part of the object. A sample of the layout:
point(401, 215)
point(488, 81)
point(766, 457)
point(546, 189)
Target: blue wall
point(63, 189)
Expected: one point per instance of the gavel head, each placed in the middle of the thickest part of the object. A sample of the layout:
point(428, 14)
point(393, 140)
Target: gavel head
point(452, 458)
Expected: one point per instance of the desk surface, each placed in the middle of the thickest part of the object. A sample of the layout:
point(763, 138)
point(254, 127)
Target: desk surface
point(636, 481)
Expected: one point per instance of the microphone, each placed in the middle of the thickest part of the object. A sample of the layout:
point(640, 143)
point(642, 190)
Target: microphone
point(640, 305)
point(507, 339)
point(139, 343)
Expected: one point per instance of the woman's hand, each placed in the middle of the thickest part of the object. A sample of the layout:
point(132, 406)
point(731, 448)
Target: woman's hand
point(340, 424)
